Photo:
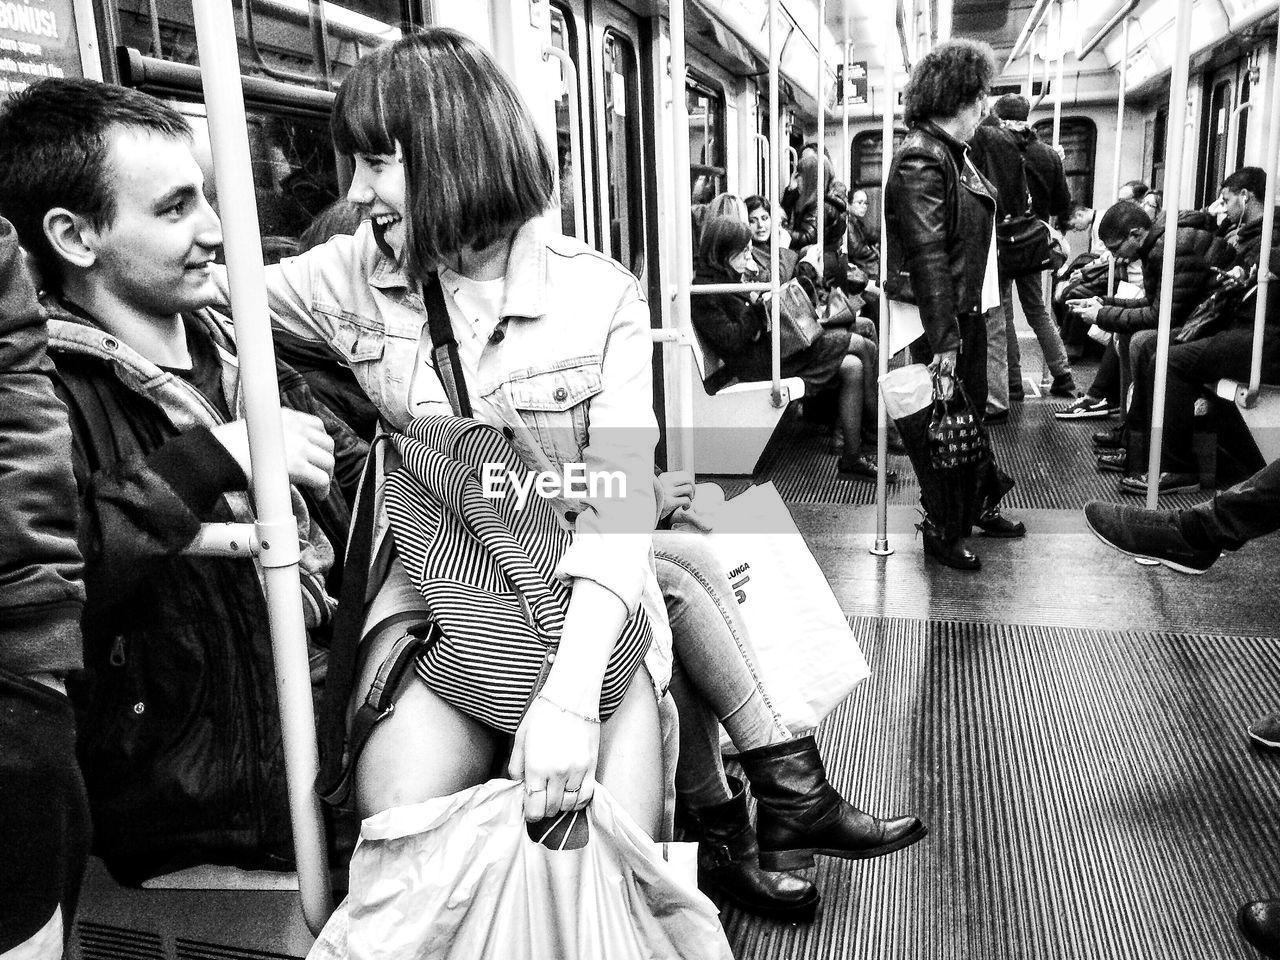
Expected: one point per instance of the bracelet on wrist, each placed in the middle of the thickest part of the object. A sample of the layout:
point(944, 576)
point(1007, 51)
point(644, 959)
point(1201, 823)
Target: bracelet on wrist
point(563, 709)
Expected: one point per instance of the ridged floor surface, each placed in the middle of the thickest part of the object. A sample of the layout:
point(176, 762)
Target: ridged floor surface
point(1089, 793)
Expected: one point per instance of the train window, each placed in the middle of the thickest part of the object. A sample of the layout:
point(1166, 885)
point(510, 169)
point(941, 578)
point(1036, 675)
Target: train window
point(867, 163)
point(623, 151)
point(1242, 132)
point(1217, 133)
point(280, 39)
point(1159, 143)
point(564, 36)
point(706, 139)
point(1078, 137)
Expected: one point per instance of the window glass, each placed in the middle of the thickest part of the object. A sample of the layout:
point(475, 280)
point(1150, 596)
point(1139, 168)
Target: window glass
point(1159, 139)
point(621, 96)
point(1216, 133)
point(1242, 132)
point(706, 140)
point(1079, 138)
point(565, 38)
point(866, 163)
point(280, 39)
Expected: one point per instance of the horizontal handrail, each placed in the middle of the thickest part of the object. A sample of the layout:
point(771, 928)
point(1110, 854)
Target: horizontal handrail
point(702, 289)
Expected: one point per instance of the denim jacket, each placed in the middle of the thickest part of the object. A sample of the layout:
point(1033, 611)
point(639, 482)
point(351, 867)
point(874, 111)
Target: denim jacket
point(567, 375)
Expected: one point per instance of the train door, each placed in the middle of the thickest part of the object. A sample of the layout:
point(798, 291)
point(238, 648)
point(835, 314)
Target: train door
point(1224, 128)
point(602, 160)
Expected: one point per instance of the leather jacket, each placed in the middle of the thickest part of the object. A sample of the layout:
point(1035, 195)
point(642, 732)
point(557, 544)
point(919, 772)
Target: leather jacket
point(939, 212)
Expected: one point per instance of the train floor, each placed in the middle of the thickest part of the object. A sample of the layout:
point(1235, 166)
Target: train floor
point(1071, 726)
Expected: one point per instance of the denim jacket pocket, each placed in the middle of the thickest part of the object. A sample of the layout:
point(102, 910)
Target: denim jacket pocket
point(356, 340)
point(554, 404)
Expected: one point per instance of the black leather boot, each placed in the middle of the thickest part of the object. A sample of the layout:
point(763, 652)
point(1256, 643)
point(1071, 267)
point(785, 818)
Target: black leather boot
point(1260, 924)
point(728, 861)
point(950, 553)
point(800, 813)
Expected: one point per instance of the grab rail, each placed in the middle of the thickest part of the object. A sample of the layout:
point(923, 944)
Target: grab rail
point(1173, 188)
point(276, 529)
point(681, 361)
point(1268, 235)
point(881, 547)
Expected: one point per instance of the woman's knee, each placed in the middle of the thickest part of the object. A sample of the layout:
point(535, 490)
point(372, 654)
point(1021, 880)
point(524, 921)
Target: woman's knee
point(851, 370)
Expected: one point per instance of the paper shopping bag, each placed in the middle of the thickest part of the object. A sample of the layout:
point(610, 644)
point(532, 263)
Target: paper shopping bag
point(809, 659)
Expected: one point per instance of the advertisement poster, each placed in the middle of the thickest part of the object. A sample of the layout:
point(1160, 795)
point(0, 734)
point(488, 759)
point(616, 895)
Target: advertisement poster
point(37, 40)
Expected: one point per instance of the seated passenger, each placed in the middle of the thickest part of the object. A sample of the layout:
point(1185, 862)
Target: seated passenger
point(44, 816)
point(762, 233)
point(716, 681)
point(735, 327)
point(179, 731)
point(802, 217)
point(535, 313)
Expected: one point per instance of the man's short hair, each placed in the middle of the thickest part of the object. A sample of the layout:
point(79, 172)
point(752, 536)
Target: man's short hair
point(476, 168)
point(1253, 179)
point(1119, 219)
point(1137, 188)
point(55, 138)
point(1013, 106)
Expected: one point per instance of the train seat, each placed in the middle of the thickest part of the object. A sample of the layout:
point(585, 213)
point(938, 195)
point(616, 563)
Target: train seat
point(733, 425)
point(1262, 419)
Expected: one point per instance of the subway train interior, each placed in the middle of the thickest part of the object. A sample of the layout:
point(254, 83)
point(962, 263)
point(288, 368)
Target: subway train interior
point(1070, 723)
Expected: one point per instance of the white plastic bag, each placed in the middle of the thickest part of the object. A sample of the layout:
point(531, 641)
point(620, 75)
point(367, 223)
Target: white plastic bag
point(808, 657)
point(459, 877)
point(906, 390)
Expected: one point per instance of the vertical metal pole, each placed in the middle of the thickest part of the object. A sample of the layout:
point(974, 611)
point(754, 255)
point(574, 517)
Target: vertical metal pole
point(277, 529)
point(775, 159)
point(1268, 235)
point(1057, 83)
point(881, 547)
point(821, 210)
point(845, 167)
point(1173, 193)
point(682, 366)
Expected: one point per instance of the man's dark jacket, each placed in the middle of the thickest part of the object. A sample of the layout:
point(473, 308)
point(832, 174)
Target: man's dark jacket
point(1197, 252)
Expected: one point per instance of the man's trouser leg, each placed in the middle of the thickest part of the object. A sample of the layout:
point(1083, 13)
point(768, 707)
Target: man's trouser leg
point(998, 351)
point(1235, 516)
point(1031, 293)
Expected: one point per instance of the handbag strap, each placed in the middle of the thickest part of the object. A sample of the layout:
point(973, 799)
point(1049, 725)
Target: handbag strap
point(444, 347)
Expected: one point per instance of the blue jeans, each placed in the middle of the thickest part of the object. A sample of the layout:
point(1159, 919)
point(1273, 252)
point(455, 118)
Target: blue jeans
point(715, 677)
point(1004, 367)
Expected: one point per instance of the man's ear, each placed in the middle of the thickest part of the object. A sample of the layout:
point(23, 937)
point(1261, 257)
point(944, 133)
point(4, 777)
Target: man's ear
point(71, 237)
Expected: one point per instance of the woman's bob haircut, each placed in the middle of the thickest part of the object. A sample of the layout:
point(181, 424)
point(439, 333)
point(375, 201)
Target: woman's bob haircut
point(722, 239)
point(949, 77)
point(475, 167)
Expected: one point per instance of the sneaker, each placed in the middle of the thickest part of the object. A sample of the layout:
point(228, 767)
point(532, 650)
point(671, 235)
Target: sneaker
point(1112, 439)
point(1147, 534)
point(1086, 408)
point(1113, 461)
point(1266, 732)
point(1064, 385)
point(1169, 483)
point(1016, 393)
point(996, 416)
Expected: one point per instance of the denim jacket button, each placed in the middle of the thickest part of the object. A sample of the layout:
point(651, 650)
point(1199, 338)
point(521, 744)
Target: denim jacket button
point(498, 335)
point(571, 515)
point(508, 433)
point(561, 394)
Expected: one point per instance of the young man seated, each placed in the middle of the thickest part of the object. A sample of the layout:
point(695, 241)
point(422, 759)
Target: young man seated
point(179, 734)
point(1130, 235)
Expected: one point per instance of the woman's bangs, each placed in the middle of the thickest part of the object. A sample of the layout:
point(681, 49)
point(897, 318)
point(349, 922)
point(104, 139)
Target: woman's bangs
point(361, 123)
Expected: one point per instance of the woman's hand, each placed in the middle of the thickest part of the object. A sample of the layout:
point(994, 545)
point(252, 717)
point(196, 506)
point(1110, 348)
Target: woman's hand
point(944, 363)
point(555, 754)
point(677, 491)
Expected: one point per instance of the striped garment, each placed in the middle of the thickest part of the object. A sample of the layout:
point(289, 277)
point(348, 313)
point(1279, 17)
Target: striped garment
point(486, 569)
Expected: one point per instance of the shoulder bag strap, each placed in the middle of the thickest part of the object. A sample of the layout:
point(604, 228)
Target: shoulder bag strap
point(444, 347)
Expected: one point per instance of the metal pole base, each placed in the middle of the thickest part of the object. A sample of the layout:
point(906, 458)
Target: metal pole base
point(1146, 562)
point(881, 549)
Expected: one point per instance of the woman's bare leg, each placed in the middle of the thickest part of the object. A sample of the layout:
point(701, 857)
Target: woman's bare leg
point(630, 764)
point(427, 748)
point(851, 401)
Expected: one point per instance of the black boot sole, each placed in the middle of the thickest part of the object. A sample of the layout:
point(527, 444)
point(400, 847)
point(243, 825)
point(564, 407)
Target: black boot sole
point(803, 911)
point(802, 858)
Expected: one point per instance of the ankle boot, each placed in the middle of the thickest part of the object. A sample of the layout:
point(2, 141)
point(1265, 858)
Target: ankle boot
point(950, 553)
point(728, 861)
point(800, 813)
point(1260, 924)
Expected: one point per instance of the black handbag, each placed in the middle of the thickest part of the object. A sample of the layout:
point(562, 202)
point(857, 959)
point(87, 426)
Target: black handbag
point(956, 435)
point(1213, 313)
point(1022, 242)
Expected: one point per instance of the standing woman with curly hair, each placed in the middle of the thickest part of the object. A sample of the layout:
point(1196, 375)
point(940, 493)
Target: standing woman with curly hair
point(940, 215)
